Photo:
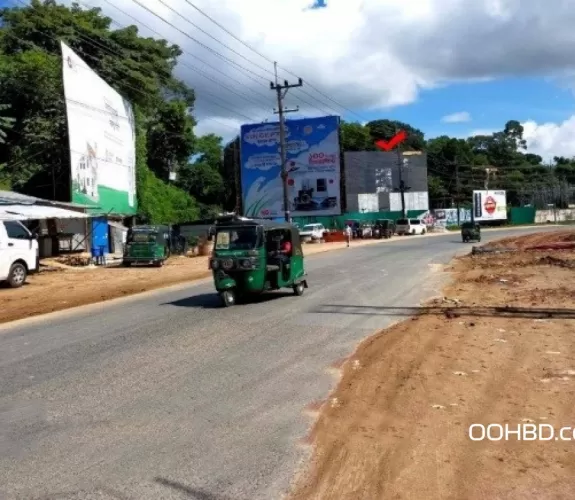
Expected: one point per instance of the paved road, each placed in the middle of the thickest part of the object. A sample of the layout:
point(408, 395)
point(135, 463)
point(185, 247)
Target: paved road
point(168, 396)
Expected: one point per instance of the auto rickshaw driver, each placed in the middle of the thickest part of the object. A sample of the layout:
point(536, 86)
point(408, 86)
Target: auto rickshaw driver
point(285, 248)
point(282, 251)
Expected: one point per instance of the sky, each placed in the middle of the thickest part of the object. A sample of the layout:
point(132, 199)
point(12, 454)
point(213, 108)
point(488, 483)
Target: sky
point(454, 67)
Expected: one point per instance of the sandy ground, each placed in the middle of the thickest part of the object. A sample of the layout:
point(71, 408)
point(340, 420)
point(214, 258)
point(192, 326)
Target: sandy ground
point(59, 287)
point(497, 349)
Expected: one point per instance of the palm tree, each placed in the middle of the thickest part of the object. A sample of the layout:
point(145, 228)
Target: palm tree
point(6, 123)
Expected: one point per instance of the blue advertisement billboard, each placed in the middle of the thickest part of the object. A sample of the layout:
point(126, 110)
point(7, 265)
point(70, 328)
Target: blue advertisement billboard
point(313, 165)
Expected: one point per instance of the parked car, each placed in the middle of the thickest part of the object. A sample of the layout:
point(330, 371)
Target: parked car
point(312, 231)
point(366, 231)
point(410, 226)
point(19, 254)
point(383, 228)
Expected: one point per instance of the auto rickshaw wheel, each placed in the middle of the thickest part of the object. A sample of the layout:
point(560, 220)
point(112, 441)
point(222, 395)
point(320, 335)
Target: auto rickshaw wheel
point(228, 298)
point(298, 289)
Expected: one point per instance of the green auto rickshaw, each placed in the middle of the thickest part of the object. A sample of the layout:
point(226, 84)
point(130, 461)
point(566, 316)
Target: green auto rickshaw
point(383, 228)
point(147, 245)
point(253, 256)
point(470, 231)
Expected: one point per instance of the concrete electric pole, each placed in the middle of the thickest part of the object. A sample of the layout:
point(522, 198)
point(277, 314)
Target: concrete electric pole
point(457, 192)
point(402, 187)
point(281, 91)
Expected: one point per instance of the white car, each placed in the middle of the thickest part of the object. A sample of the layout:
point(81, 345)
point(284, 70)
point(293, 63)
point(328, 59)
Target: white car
point(410, 226)
point(18, 253)
point(312, 231)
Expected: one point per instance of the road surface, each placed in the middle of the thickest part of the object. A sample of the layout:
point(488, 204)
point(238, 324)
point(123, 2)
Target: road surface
point(169, 396)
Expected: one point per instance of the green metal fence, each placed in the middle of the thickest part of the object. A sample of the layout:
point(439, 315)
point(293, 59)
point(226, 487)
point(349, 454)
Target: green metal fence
point(338, 221)
point(521, 215)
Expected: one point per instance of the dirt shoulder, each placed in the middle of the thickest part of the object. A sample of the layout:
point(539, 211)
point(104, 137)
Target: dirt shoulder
point(59, 287)
point(499, 349)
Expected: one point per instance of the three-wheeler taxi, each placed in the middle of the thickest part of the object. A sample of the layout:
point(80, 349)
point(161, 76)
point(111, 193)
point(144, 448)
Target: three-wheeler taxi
point(252, 256)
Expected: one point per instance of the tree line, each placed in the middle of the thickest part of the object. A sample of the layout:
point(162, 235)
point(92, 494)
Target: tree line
point(34, 154)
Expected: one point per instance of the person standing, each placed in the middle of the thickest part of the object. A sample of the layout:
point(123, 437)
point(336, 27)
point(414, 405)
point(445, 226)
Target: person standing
point(348, 234)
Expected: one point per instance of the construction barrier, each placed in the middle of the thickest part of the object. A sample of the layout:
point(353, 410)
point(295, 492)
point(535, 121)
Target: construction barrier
point(334, 237)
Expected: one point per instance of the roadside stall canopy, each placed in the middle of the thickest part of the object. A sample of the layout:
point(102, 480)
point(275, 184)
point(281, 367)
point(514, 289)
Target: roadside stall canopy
point(37, 212)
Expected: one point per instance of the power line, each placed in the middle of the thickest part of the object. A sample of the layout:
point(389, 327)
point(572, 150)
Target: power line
point(224, 45)
point(235, 37)
point(205, 46)
point(183, 51)
point(120, 70)
point(235, 66)
point(208, 48)
point(100, 46)
point(267, 70)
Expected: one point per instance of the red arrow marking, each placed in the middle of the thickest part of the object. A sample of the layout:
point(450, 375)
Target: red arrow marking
point(394, 141)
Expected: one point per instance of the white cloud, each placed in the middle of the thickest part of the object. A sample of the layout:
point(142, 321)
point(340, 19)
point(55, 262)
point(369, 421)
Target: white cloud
point(551, 139)
point(461, 117)
point(546, 139)
point(358, 54)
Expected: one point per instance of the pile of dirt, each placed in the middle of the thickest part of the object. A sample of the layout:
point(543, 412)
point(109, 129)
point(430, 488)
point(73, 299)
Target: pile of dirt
point(496, 349)
point(523, 242)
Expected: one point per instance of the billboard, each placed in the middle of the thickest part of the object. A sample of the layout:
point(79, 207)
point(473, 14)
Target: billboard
point(313, 165)
point(489, 205)
point(448, 216)
point(378, 172)
point(102, 139)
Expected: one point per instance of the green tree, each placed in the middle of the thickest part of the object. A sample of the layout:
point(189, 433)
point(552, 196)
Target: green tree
point(170, 137)
point(355, 137)
point(6, 123)
point(230, 171)
point(140, 69)
point(386, 129)
point(202, 178)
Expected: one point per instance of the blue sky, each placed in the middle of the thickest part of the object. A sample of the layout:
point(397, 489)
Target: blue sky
point(490, 105)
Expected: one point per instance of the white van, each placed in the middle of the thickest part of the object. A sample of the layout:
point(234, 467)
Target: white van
point(18, 253)
point(410, 226)
point(312, 231)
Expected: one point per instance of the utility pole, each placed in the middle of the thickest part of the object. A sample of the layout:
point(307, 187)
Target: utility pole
point(281, 91)
point(402, 187)
point(488, 172)
point(458, 192)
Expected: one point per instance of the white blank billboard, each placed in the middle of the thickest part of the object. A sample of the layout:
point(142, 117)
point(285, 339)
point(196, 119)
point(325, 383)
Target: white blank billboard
point(418, 200)
point(489, 205)
point(102, 139)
